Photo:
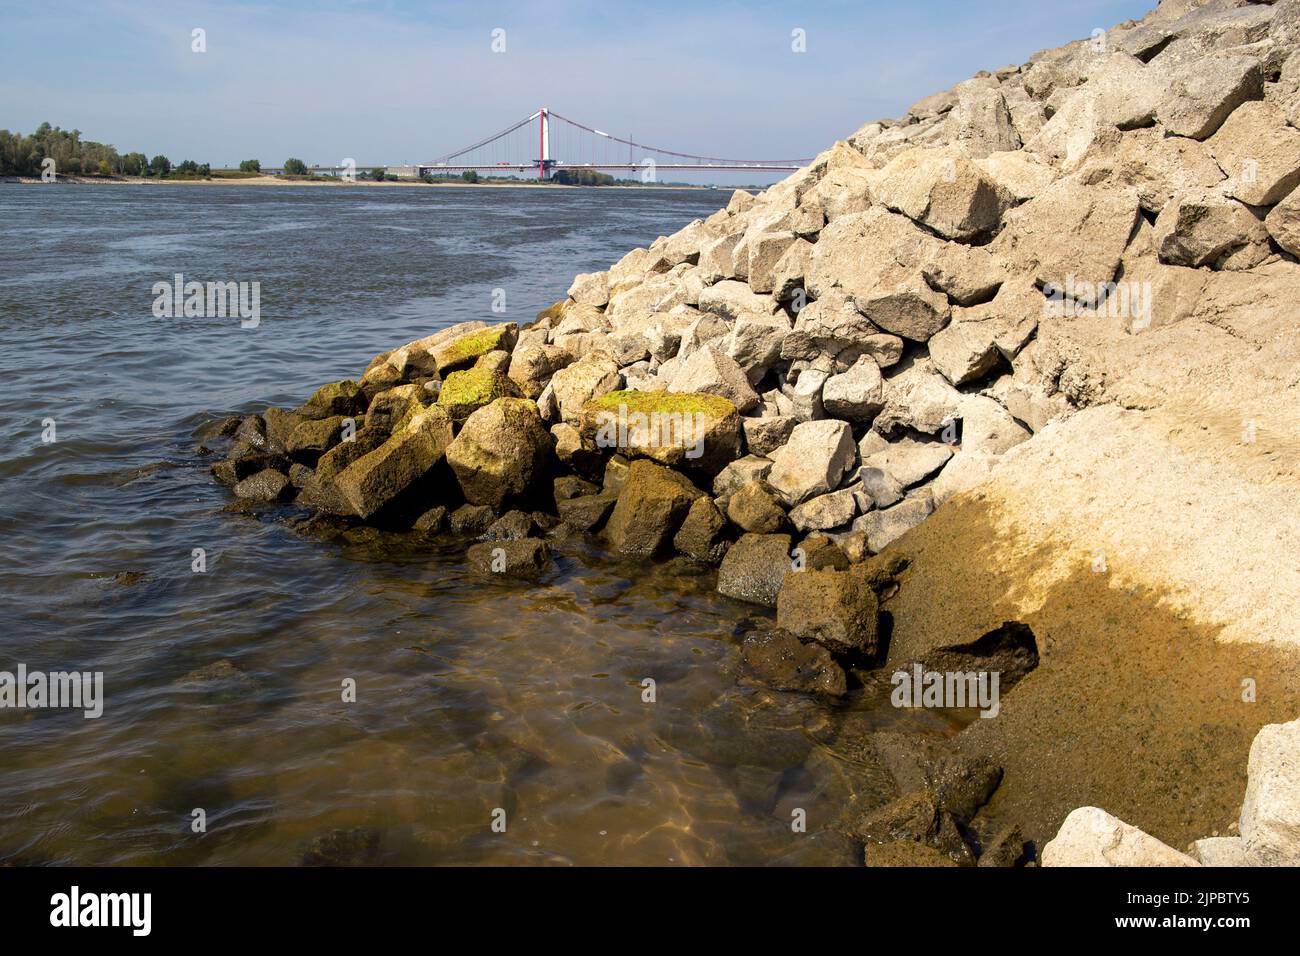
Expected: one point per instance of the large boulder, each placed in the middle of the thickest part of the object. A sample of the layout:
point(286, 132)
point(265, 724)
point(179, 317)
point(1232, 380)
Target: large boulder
point(777, 659)
point(503, 452)
point(944, 191)
point(813, 461)
point(1259, 153)
point(1070, 231)
point(908, 461)
point(918, 398)
point(754, 568)
point(825, 512)
point(756, 507)
point(857, 394)
point(1283, 222)
point(517, 558)
point(1202, 92)
point(1270, 813)
point(837, 609)
point(590, 288)
point(532, 366)
point(695, 431)
point(588, 378)
point(464, 350)
point(1092, 837)
point(1204, 227)
point(980, 122)
point(653, 503)
point(882, 527)
point(377, 478)
point(465, 392)
point(415, 359)
point(702, 534)
point(712, 372)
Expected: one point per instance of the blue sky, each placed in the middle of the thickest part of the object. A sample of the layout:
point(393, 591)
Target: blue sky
point(389, 81)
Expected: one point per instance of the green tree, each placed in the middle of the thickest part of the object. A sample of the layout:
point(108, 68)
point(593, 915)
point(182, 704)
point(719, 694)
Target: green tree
point(160, 165)
point(187, 166)
point(250, 166)
point(295, 167)
point(470, 175)
point(133, 164)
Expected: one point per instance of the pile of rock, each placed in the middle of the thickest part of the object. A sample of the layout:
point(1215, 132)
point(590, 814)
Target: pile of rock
point(789, 386)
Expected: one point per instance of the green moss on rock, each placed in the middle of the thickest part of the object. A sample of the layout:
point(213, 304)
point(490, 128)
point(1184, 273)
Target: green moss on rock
point(685, 403)
point(465, 349)
point(465, 392)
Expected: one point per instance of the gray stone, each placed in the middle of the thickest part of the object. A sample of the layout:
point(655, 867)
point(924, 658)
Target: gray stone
point(754, 568)
point(813, 461)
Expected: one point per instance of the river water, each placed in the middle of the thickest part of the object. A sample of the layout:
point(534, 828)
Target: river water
point(476, 702)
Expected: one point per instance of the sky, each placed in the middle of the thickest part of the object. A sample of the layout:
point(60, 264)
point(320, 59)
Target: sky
point(391, 81)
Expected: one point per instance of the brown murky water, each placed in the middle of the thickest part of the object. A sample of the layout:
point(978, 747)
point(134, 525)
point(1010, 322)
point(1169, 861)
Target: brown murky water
point(225, 688)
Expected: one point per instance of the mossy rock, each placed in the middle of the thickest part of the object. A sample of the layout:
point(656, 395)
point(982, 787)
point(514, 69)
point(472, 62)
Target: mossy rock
point(335, 398)
point(465, 392)
point(465, 350)
point(311, 438)
point(552, 313)
point(688, 430)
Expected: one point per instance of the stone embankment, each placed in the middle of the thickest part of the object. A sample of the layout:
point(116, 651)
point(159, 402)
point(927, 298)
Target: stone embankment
point(1019, 368)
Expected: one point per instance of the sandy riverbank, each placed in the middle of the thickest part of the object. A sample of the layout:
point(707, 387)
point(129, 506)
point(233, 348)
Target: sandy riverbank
point(333, 184)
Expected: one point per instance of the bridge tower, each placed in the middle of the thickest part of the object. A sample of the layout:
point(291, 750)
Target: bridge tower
point(544, 162)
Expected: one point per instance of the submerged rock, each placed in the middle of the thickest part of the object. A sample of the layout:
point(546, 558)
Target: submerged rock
point(777, 659)
point(521, 557)
point(754, 568)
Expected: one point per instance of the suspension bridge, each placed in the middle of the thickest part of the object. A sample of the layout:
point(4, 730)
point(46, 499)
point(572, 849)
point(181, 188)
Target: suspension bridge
point(547, 142)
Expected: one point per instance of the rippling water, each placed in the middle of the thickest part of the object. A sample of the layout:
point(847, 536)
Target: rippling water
point(224, 688)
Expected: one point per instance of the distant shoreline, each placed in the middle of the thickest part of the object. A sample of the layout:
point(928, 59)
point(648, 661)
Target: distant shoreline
point(280, 181)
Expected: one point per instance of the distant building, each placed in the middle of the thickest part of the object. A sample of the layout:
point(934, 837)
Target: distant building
point(411, 171)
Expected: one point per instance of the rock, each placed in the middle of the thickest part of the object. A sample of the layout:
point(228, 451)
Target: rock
point(754, 568)
point(734, 300)
point(689, 430)
point(833, 608)
point(1071, 229)
point(1203, 227)
point(980, 123)
point(1202, 93)
point(904, 853)
point(1283, 223)
point(1259, 153)
point(917, 398)
point(856, 395)
point(389, 407)
point(524, 557)
point(876, 488)
point(378, 477)
point(431, 521)
point(987, 427)
point(966, 470)
point(414, 359)
point(1019, 174)
point(944, 191)
point(916, 817)
point(825, 511)
point(311, 438)
point(501, 452)
point(885, 526)
point(755, 345)
point(765, 251)
point(909, 462)
point(1092, 837)
point(1270, 813)
point(511, 526)
point(777, 659)
point(335, 398)
point(813, 461)
point(587, 512)
point(465, 392)
point(571, 486)
point(701, 535)
point(578, 453)
point(321, 489)
point(961, 784)
point(267, 485)
point(591, 377)
point(765, 435)
point(470, 521)
point(820, 552)
point(590, 288)
point(532, 367)
point(1157, 166)
point(652, 505)
point(1220, 851)
point(464, 350)
point(299, 475)
point(740, 473)
point(711, 372)
point(1005, 849)
point(756, 507)
point(806, 395)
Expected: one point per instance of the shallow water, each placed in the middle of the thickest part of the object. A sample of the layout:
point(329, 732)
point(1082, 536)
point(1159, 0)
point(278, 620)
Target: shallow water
point(224, 687)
